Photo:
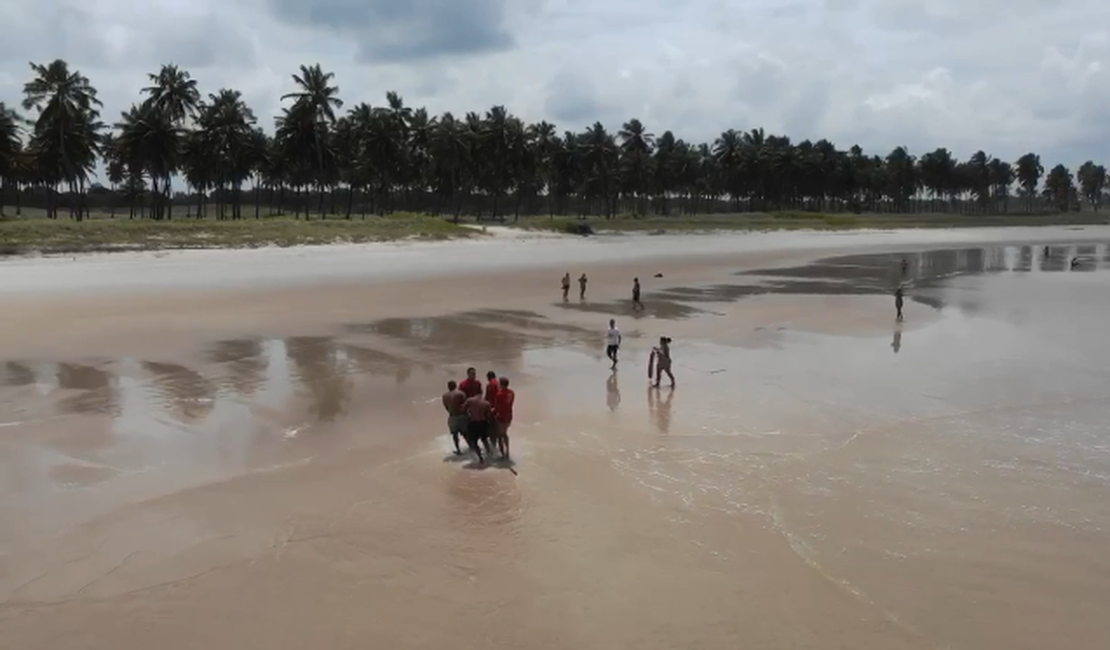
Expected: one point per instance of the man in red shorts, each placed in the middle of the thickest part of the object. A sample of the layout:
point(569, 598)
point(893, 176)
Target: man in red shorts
point(471, 386)
point(503, 415)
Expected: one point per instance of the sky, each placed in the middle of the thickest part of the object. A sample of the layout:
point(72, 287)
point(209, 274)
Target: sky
point(1005, 76)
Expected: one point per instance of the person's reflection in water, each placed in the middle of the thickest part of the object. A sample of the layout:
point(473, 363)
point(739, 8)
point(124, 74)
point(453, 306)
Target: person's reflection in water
point(612, 392)
point(896, 344)
point(660, 409)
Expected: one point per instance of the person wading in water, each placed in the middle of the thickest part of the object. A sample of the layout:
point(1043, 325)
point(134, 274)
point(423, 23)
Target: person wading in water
point(898, 301)
point(660, 361)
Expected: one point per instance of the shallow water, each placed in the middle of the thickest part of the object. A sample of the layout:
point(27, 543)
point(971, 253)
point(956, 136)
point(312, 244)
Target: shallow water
point(820, 473)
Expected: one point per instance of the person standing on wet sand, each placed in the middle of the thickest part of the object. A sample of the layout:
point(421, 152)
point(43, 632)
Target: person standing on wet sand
point(478, 412)
point(660, 361)
point(453, 401)
point(566, 287)
point(491, 386)
point(905, 266)
point(503, 416)
point(636, 304)
point(582, 287)
point(612, 342)
point(471, 386)
point(898, 300)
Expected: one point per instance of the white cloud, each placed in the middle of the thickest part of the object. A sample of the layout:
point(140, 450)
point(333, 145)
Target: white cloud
point(1005, 76)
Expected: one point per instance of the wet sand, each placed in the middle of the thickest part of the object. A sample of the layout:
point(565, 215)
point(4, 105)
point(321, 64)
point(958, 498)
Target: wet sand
point(198, 451)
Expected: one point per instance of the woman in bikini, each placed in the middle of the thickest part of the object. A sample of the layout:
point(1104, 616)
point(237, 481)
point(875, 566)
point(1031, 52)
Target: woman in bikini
point(660, 361)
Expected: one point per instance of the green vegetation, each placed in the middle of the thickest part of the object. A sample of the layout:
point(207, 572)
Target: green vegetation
point(764, 221)
point(188, 169)
point(100, 233)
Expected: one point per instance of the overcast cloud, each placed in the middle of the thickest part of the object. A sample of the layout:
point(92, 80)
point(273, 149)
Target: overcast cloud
point(1007, 76)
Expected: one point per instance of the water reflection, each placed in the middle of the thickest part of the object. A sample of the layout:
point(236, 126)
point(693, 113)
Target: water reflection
point(612, 392)
point(241, 394)
point(96, 391)
point(486, 334)
point(659, 407)
point(896, 344)
point(244, 361)
point(187, 391)
point(17, 374)
point(323, 370)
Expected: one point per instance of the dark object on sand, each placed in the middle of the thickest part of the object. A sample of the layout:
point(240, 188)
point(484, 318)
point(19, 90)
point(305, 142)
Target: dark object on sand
point(583, 229)
point(658, 275)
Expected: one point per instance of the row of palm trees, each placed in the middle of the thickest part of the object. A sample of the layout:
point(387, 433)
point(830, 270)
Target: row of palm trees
point(380, 159)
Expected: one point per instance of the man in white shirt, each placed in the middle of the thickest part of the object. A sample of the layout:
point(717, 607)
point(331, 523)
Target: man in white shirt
point(613, 342)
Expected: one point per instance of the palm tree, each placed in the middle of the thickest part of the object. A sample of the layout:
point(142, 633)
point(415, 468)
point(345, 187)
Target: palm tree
point(313, 113)
point(636, 147)
point(1059, 188)
point(66, 138)
point(1092, 181)
point(1029, 172)
point(399, 157)
point(150, 142)
point(11, 149)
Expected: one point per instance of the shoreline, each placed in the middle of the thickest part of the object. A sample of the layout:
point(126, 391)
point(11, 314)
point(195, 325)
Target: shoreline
point(263, 268)
point(117, 237)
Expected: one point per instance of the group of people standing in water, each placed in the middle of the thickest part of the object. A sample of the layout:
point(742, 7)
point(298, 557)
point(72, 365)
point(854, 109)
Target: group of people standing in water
point(583, 281)
point(481, 418)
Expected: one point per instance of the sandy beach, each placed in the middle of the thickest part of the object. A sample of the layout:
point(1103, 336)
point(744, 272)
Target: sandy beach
point(246, 449)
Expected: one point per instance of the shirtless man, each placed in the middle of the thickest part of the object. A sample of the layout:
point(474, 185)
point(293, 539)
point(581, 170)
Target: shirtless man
point(471, 386)
point(566, 286)
point(636, 304)
point(479, 413)
point(503, 416)
point(453, 401)
point(582, 287)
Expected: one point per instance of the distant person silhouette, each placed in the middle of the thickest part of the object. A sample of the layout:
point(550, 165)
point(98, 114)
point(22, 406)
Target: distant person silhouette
point(636, 304)
point(582, 287)
point(905, 266)
point(898, 301)
point(566, 286)
point(1046, 251)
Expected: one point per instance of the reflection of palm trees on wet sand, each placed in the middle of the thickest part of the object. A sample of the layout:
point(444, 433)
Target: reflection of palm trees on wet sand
point(191, 394)
point(660, 409)
point(315, 361)
point(98, 394)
